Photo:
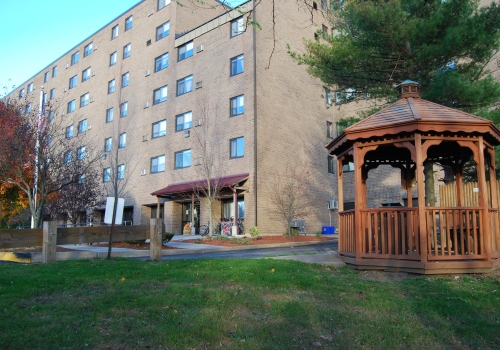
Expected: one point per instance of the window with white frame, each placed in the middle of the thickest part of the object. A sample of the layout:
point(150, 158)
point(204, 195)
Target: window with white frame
point(30, 87)
point(51, 116)
point(128, 23)
point(163, 30)
point(68, 157)
point(237, 27)
point(21, 93)
point(324, 32)
point(54, 71)
point(159, 129)
point(82, 126)
point(323, 5)
point(80, 153)
point(126, 50)
point(84, 100)
point(331, 164)
point(237, 147)
point(108, 144)
point(183, 159)
point(114, 32)
point(86, 75)
point(184, 85)
point(162, 3)
point(345, 96)
point(122, 140)
point(71, 106)
point(125, 79)
point(46, 77)
point(120, 172)
point(329, 130)
point(183, 121)
point(161, 62)
point(106, 175)
point(109, 114)
point(328, 96)
point(157, 164)
point(160, 94)
point(185, 51)
point(28, 108)
point(69, 131)
point(75, 57)
point(237, 105)
point(124, 109)
point(87, 50)
point(52, 93)
point(112, 59)
point(237, 65)
point(111, 86)
point(72, 81)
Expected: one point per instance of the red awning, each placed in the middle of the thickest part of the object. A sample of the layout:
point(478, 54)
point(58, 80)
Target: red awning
point(190, 186)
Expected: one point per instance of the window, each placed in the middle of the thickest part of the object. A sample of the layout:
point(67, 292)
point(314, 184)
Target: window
point(329, 130)
point(160, 95)
point(71, 106)
point(124, 109)
point(82, 126)
point(106, 175)
point(111, 86)
point(159, 128)
point(120, 171)
point(84, 100)
point(87, 50)
point(237, 147)
point(348, 168)
point(331, 165)
point(183, 159)
point(81, 179)
point(345, 96)
point(161, 62)
point(315, 6)
point(162, 31)
point(75, 57)
point(324, 30)
point(183, 121)
point(86, 75)
point(323, 5)
point(112, 59)
point(237, 27)
point(109, 115)
point(21, 93)
point(128, 23)
point(125, 78)
point(184, 85)
point(228, 208)
point(108, 144)
point(68, 157)
point(126, 51)
point(237, 65)
point(46, 77)
point(72, 82)
point(49, 139)
point(51, 116)
point(80, 153)
point(114, 32)
point(122, 141)
point(157, 164)
point(69, 131)
point(162, 3)
point(30, 87)
point(52, 93)
point(185, 51)
point(328, 96)
point(237, 105)
point(54, 71)
point(28, 108)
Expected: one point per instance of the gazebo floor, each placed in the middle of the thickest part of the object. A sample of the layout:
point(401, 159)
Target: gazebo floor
point(424, 268)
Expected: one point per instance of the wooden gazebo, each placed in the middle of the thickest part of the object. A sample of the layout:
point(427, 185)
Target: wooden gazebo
point(427, 238)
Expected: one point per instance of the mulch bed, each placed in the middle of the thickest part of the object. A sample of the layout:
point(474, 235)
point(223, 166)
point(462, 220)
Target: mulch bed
point(261, 240)
point(33, 250)
point(138, 246)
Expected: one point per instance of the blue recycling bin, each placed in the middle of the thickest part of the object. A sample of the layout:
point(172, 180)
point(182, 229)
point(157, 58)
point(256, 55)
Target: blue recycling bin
point(328, 230)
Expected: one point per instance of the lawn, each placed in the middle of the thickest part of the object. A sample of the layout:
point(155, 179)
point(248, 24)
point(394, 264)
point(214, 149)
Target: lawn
point(241, 304)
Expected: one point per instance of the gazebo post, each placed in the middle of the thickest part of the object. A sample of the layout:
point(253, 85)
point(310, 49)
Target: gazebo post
point(421, 198)
point(358, 200)
point(494, 201)
point(408, 186)
point(340, 184)
point(483, 201)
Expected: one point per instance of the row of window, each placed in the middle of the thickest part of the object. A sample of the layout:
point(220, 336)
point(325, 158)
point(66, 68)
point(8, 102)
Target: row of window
point(120, 173)
point(84, 100)
point(82, 127)
point(111, 111)
point(80, 155)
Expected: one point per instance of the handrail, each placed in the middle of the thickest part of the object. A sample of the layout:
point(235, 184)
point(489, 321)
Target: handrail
point(387, 209)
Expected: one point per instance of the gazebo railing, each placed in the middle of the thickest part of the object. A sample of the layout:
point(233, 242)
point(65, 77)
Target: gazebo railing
point(347, 234)
point(390, 233)
point(455, 233)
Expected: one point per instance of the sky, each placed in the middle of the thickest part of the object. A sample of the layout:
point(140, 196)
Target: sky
point(35, 33)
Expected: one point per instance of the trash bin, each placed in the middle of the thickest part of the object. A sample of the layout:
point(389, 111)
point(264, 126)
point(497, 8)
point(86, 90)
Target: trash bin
point(328, 230)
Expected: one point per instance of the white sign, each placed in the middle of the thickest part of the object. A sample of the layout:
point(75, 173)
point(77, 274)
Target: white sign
point(475, 189)
point(108, 214)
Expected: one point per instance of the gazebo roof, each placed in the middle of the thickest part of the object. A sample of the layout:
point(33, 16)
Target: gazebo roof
point(411, 113)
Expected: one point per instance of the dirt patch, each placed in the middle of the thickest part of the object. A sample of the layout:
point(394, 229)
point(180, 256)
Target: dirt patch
point(385, 276)
point(260, 240)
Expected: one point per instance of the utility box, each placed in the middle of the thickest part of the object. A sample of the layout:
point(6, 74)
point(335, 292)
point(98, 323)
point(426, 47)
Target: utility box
point(328, 230)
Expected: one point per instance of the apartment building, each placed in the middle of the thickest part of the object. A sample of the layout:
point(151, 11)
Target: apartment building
point(160, 76)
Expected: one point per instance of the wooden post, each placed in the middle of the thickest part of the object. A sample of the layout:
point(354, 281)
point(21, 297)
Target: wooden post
point(155, 239)
point(340, 184)
point(409, 192)
point(358, 199)
point(158, 208)
point(421, 198)
point(483, 200)
point(49, 241)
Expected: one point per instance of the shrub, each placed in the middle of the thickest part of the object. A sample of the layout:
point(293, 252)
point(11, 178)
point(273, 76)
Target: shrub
point(254, 232)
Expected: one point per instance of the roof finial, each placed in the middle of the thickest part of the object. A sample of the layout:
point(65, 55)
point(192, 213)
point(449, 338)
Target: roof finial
point(408, 88)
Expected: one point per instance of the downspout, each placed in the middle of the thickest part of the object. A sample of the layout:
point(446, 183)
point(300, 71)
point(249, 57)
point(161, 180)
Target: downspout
point(255, 113)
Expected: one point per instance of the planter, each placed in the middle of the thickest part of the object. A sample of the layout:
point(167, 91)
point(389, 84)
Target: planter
point(187, 231)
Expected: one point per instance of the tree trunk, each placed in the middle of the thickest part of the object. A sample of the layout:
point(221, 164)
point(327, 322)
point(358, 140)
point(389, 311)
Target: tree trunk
point(430, 192)
point(111, 230)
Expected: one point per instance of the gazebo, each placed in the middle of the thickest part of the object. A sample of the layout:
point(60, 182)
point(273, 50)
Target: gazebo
point(428, 238)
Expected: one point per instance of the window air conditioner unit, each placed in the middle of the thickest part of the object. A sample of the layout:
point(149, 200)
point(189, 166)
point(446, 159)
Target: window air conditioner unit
point(143, 172)
point(199, 48)
point(186, 133)
point(197, 122)
point(104, 155)
point(91, 100)
point(199, 84)
point(90, 127)
point(95, 47)
point(197, 161)
point(64, 90)
point(146, 104)
point(144, 138)
point(150, 12)
point(333, 204)
point(93, 73)
point(146, 73)
point(67, 65)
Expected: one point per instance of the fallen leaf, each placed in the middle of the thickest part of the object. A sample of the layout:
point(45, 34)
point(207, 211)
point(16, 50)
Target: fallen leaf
point(122, 279)
point(272, 270)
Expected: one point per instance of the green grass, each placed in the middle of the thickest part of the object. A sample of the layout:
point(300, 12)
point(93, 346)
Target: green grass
point(240, 304)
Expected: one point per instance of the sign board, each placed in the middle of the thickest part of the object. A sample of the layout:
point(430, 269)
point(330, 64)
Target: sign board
point(108, 214)
point(475, 190)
